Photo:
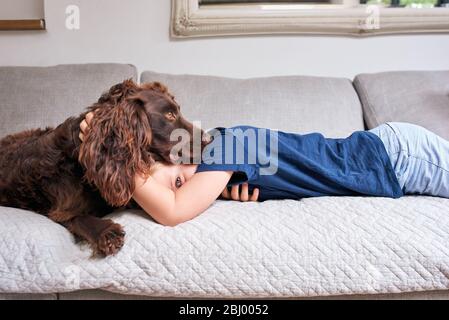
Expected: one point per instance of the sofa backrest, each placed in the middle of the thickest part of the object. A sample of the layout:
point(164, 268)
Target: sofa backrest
point(32, 97)
point(419, 97)
point(295, 103)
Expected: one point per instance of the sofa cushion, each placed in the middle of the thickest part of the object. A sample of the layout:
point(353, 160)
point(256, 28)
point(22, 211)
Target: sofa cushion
point(45, 96)
point(419, 97)
point(287, 248)
point(295, 103)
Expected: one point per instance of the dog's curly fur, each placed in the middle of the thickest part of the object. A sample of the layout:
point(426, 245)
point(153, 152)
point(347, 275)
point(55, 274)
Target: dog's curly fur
point(50, 172)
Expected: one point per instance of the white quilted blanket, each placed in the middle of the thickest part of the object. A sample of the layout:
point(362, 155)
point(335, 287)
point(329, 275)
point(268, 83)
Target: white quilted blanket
point(322, 246)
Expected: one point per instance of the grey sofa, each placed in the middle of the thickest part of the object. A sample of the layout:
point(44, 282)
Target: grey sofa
point(342, 247)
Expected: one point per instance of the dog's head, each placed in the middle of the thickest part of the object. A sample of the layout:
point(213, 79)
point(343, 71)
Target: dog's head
point(131, 128)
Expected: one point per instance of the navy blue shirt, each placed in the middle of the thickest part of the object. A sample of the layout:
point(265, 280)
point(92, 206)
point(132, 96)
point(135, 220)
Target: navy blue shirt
point(293, 166)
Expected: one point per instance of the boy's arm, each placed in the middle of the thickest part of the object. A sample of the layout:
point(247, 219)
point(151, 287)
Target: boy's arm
point(171, 208)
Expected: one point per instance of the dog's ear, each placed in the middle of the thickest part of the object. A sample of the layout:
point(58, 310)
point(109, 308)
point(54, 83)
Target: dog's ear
point(116, 148)
point(118, 92)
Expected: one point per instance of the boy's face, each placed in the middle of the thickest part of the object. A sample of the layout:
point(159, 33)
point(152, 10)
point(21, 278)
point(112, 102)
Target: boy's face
point(173, 176)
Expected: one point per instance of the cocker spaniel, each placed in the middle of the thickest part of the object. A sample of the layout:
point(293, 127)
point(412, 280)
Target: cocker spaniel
point(51, 172)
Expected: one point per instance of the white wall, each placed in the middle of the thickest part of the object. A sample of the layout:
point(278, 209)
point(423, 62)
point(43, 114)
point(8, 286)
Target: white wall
point(137, 32)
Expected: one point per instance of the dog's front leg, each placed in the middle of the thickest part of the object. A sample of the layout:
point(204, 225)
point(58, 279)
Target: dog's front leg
point(104, 236)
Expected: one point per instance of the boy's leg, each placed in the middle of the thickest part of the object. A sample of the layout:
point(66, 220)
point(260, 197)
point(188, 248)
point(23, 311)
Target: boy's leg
point(394, 150)
point(422, 160)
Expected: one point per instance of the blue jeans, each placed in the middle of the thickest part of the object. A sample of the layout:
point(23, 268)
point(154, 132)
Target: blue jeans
point(420, 158)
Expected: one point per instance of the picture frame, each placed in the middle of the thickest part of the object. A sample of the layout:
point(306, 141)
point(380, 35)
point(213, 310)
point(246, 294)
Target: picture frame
point(20, 25)
point(189, 20)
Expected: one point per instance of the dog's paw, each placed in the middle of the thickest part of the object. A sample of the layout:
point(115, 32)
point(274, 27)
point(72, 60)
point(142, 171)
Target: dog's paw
point(111, 240)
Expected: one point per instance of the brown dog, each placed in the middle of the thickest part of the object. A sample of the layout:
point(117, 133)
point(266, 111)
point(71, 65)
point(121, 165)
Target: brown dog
point(49, 171)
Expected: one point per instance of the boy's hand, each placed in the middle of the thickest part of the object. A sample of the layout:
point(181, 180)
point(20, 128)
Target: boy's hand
point(84, 125)
point(243, 196)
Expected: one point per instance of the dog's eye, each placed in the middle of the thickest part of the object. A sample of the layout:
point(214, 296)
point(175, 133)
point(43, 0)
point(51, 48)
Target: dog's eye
point(170, 116)
point(178, 182)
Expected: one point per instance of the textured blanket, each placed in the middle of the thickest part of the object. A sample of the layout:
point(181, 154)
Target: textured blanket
point(321, 246)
